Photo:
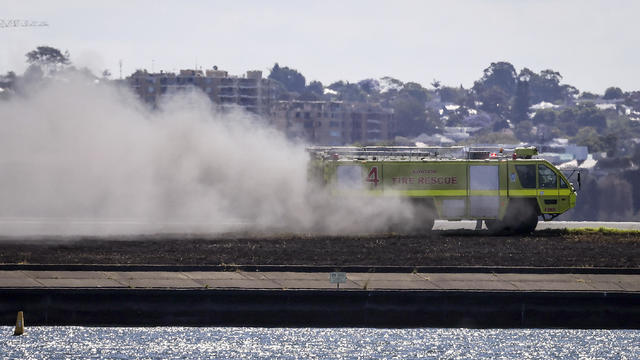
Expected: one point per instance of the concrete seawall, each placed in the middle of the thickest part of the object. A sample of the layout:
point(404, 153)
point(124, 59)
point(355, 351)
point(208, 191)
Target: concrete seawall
point(321, 308)
point(113, 297)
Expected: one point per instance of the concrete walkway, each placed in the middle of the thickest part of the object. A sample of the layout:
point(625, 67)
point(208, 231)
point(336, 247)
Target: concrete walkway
point(298, 280)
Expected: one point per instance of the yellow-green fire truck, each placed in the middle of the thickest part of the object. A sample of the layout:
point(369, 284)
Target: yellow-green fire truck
point(508, 189)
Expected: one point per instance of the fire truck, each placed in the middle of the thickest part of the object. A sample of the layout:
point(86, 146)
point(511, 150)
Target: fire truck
point(508, 189)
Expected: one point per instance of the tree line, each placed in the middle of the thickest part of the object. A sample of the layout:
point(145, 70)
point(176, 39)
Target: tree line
point(503, 95)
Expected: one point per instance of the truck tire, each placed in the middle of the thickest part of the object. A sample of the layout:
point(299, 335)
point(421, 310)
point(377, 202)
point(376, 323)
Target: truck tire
point(494, 226)
point(521, 218)
point(527, 221)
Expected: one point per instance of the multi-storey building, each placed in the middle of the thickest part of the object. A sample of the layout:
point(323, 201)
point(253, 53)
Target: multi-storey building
point(334, 122)
point(317, 122)
point(251, 92)
point(371, 123)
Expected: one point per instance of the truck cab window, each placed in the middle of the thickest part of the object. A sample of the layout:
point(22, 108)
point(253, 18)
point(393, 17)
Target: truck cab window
point(563, 184)
point(547, 178)
point(527, 175)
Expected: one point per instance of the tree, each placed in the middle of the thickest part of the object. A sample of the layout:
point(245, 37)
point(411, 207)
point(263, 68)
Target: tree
point(633, 100)
point(588, 136)
point(452, 95)
point(370, 86)
point(392, 82)
point(501, 75)
point(494, 101)
point(569, 92)
point(433, 121)
point(48, 58)
point(500, 124)
point(409, 114)
point(590, 115)
point(415, 91)
point(571, 119)
point(106, 74)
point(316, 87)
point(7, 81)
point(613, 93)
point(348, 91)
point(588, 96)
point(610, 142)
point(523, 131)
point(410, 111)
point(313, 91)
point(337, 86)
point(566, 121)
point(290, 78)
point(546, 86)
point(457, 116)
point(549, 86)
point(544, 117)
point(520, 111)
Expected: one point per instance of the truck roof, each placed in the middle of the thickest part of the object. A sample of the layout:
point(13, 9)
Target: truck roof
point(414, 153)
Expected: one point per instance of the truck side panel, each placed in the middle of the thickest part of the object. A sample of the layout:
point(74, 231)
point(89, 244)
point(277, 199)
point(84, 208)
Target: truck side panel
point(425, 179)
point(460, 189)
point(446, 182)
point(484, 190)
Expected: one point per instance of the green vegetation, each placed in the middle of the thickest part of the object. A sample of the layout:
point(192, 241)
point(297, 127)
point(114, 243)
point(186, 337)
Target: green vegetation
point(602, 230)
point(291, 79)
point(48, 59)
point(588, 231)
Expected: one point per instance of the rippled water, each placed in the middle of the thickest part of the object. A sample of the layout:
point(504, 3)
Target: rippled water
point(293, 343)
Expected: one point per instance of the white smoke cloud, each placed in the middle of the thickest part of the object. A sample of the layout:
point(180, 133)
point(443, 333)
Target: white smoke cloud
point(74, 151)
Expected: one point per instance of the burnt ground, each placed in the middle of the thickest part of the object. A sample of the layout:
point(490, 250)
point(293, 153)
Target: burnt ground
point(548, 248)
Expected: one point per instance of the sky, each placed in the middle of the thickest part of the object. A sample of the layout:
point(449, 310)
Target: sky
point(593, 44)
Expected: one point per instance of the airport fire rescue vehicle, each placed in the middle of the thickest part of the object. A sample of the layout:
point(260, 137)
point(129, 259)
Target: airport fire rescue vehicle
point(508, 189)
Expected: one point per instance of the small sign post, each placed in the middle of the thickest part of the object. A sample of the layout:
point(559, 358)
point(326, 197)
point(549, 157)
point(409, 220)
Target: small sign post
point(337, 278)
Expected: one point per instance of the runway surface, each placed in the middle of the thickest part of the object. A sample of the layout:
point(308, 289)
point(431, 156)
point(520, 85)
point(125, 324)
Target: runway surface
point(465, 224)
point(56, 226)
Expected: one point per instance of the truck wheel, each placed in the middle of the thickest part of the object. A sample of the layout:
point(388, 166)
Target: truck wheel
point(495, 226)
point(528, 220)
point(521, 218)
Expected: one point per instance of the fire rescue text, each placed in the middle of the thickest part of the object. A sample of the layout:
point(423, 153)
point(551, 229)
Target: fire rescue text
point(427, 180)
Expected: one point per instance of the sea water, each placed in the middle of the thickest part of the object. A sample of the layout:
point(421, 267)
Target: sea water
point(53, 342)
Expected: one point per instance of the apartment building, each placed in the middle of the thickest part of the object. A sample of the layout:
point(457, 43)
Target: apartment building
point(334, 122)
point(252, 92)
